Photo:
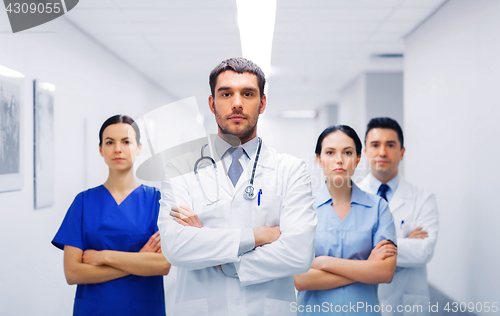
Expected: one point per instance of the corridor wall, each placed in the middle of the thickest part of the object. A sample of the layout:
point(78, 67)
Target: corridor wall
point(452, 71)
point(91, 85)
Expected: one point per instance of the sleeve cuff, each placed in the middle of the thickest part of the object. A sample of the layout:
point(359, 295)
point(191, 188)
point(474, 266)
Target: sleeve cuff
point(247, 241)
point(229, 270)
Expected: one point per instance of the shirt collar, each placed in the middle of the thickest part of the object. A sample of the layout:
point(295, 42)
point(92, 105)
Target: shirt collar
point(375, 183)
point(249, 148)
point(357, 196)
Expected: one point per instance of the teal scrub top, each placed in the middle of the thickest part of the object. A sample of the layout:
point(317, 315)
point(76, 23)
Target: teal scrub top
point(95, 221)
point(368, 222)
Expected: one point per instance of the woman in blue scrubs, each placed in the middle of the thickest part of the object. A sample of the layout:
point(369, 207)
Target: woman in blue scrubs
point(354, 238)
point(110, 237)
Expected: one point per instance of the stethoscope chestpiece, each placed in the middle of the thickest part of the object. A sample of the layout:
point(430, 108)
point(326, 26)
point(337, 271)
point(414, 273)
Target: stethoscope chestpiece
point(249, 192)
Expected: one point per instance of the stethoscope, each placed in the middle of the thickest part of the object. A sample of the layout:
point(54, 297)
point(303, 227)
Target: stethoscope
point(249, 193)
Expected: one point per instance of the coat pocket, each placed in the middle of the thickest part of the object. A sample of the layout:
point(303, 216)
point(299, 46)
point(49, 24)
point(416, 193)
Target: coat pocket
point(268, 212)
point(277, 308)
point(192, 308)
point(415, 305)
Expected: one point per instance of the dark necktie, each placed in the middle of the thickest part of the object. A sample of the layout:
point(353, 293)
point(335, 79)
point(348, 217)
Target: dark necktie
point(382, 191)
point(235, 170)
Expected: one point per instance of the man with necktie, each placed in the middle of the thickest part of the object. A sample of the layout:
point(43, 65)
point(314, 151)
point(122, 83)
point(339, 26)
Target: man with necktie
point(239, 235)
point(415, 216)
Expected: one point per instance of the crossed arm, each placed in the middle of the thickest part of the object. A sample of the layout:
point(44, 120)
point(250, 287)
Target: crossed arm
point(91, 266)
point(194, 248)
point(330, 272)
point(186, 217)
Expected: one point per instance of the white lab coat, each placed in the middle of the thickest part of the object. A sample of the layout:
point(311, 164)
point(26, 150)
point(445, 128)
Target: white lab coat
point(264, 281)
point(409, 286)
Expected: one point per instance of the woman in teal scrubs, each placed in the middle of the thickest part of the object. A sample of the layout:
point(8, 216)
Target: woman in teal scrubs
point(109, 235)
point(355, 236)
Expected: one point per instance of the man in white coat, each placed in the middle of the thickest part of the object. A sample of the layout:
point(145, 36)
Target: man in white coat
point(237, 252)
point(415, 216)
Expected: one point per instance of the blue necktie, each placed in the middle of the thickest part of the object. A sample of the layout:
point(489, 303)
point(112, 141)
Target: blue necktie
point(382, 191)
point(235, 170)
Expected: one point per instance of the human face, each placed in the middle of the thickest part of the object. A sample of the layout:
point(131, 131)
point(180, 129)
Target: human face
point(338, 158)
point(237, 104)
point(119, 146)
point(384, 153)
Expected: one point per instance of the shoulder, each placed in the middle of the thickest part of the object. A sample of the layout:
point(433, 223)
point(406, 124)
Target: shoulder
point(286, 160)
point(90, 193)
point(86, 199)
point(367, 199)
point(148, 192)
point(364, 184)
point(417, 193)
point(179, 164)
point(321, 197)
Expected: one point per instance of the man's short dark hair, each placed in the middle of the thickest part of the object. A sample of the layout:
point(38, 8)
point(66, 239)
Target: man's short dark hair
point(385, 122)
point(238, 65)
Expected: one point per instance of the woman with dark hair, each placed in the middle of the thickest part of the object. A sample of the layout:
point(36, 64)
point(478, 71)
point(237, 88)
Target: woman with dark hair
point(110, 237)
point(355, 235)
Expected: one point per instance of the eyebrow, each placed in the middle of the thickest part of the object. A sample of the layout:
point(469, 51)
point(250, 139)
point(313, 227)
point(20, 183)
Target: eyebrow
point(245, 89)
point(114, 139)
point(349, 147)
point(378, 141)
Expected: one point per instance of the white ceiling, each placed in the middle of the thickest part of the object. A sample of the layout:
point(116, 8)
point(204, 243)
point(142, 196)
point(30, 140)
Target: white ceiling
point(318, 46)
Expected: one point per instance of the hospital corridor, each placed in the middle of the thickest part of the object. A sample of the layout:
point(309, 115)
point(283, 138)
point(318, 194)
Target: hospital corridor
point(231, 157)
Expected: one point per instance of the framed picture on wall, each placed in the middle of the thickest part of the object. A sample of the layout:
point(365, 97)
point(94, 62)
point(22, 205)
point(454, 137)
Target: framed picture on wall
point(10, 130)
point(43, 119)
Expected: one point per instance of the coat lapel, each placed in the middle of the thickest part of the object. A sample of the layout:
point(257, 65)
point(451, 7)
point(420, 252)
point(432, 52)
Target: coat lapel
point(265, 162)
point(223, 179)
point(403, 193)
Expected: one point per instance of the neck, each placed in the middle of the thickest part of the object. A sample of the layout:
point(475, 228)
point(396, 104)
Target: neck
point(339, 194)
point(121, 181)
point(235, 140)
point(384, 178)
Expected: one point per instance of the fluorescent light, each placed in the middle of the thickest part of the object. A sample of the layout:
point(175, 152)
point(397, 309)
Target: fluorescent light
point(7, 72)
point(256, 19)
point(299, 114)
point(46, 86)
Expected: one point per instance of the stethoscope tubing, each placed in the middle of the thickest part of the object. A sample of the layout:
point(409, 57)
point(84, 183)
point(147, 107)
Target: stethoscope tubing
point(249, 192)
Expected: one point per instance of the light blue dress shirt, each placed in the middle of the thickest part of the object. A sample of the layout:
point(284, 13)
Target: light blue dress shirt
point(247, 240)
point(368, 222)
point(375, 185)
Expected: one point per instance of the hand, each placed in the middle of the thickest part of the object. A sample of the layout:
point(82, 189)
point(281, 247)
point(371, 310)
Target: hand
point(93, 257)
point(185, 216)
point(265, 235)
point(384, 249)
point(153, 244)
point(418, 233)
point(320, 262)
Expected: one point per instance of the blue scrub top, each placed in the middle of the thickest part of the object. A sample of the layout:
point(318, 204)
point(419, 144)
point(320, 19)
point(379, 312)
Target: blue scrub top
point(368, 222)
point(95, 221)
